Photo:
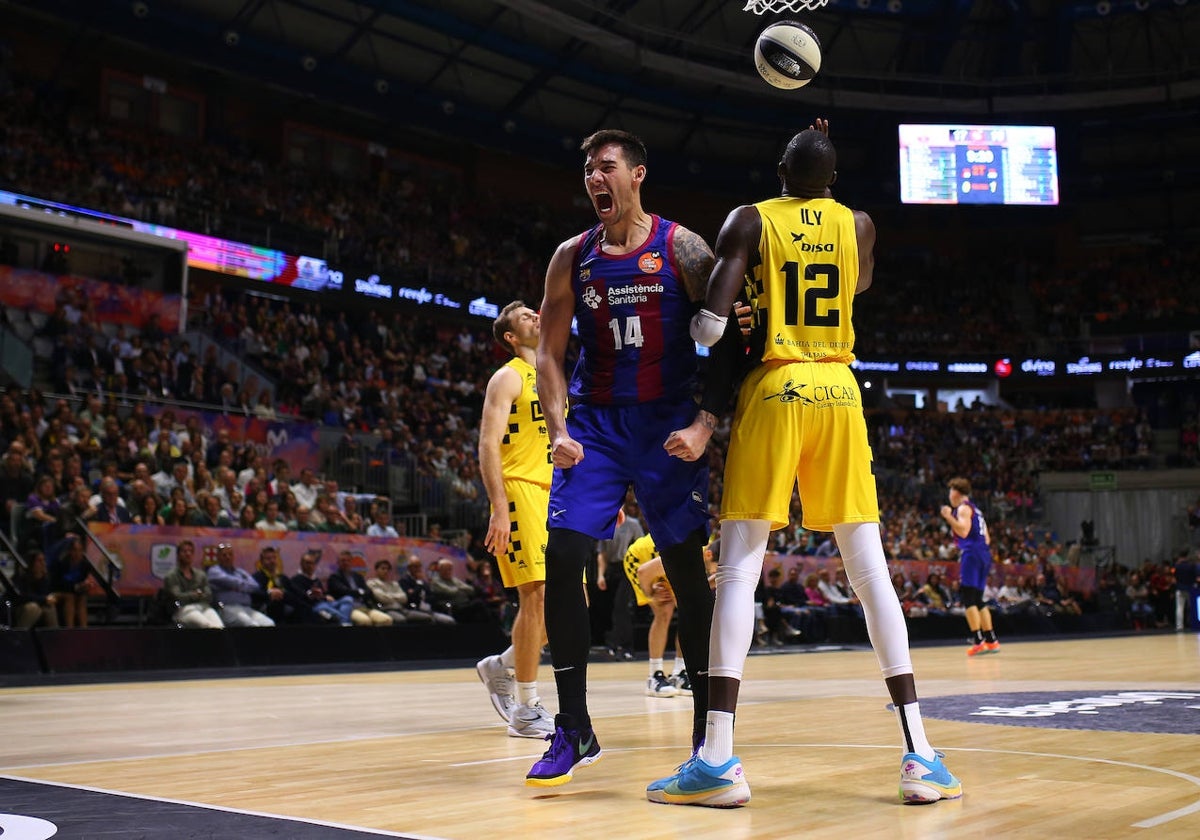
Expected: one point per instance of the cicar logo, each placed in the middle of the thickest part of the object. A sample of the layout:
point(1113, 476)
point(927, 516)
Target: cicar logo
point(650, 262)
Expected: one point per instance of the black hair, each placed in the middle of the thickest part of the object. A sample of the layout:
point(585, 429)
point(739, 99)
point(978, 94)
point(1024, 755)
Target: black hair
point(631, 145)
point(809, 164)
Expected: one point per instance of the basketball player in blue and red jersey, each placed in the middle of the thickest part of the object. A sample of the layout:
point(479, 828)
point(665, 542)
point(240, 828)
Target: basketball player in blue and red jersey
point(633, 283)
point(974, 562)
point(801, 257)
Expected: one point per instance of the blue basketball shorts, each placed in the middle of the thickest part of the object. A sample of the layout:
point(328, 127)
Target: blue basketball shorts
point(623, 447)
point(973, 569)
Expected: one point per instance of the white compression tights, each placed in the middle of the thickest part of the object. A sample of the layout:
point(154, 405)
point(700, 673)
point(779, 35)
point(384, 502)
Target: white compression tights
point(866, 568)
point(743, 543)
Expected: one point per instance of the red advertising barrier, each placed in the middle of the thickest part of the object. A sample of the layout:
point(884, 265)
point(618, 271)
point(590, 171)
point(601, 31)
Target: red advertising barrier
point(147, 552)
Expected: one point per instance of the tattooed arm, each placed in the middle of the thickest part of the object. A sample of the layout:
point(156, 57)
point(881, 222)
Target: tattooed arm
point(695, 261)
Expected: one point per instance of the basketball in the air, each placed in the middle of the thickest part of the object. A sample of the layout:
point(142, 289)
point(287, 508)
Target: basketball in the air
point(787, 54)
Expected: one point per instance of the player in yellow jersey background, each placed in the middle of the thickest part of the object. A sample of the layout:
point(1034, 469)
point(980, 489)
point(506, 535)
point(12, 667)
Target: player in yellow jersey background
point(643, 567)
point(514, 462)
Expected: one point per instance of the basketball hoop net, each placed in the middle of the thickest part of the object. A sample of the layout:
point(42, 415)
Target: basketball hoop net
point(760, 7)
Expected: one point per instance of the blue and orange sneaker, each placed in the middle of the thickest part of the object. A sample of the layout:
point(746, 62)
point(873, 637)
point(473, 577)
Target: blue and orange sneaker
point(570, 747)
point(697, 782)
point(924, 781)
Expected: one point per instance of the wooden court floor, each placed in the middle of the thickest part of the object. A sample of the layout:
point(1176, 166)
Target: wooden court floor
point(422, 753)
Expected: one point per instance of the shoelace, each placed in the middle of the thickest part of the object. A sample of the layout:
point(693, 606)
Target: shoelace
point(683, 768)
point(560, 742)
point(536, 712)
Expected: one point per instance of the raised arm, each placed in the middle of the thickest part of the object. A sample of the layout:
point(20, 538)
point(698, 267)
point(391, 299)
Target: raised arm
point(864, 229)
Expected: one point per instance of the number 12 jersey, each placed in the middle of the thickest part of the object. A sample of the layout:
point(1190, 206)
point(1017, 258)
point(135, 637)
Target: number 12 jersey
point(802, 288)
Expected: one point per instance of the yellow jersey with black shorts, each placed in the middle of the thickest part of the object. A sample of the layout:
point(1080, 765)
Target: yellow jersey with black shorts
point(640, 551)
point(799, 417)
point(527, 467)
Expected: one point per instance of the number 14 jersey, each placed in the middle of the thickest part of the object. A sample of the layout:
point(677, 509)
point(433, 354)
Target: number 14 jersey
point(633, 313)
point(802, 287)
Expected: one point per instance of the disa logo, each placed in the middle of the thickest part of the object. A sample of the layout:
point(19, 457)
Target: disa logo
point(1003, 368)
point(650, 262)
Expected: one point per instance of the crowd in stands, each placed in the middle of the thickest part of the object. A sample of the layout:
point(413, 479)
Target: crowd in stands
point(1017, 304)
point(415, 384)
point(419, 223)
point(102, 460)
point(429, 223)
point(225, 594)
point(798, 609)
point(1127, 290)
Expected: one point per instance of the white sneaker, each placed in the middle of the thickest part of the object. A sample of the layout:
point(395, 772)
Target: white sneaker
point(530, 720)
point(682, 683)
point(500, 682)
point(659, 686)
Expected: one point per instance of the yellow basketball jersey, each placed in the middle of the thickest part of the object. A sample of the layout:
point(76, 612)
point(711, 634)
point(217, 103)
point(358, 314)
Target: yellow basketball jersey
point(525, 448)
point(802, 289)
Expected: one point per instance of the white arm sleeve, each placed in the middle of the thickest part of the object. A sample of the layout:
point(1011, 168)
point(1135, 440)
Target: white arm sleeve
point(707, 328)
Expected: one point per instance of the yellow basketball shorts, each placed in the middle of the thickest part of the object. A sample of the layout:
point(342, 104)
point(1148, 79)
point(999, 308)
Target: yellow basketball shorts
point(631, 567)
point(800, 423)
point(525, 560)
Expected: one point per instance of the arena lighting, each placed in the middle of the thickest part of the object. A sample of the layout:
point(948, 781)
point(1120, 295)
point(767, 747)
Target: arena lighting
point(139, 9)
point(382, 86)
point(1103, 7)
point(894, 6)
point(231, 37)
point(864, 4)
point(309, 63)
point(1141, 5)
point(447, 107)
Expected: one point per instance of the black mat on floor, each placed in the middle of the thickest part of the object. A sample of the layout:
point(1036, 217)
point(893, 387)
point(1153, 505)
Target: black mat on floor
point(32, 810)
point(1118, 710)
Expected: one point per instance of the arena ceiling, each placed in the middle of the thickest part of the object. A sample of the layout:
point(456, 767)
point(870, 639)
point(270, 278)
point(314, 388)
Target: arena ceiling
point(539, 74)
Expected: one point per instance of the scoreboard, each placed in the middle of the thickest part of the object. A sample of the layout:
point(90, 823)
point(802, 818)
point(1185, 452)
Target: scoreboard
point(978, 164)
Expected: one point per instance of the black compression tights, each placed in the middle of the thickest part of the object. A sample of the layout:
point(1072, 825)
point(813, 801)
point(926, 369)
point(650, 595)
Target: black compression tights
point(568, 627)
point(684, 565)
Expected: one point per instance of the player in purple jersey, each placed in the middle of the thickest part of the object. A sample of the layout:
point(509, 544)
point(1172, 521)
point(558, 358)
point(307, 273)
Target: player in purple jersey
point(975, 559)
point(633, 282)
